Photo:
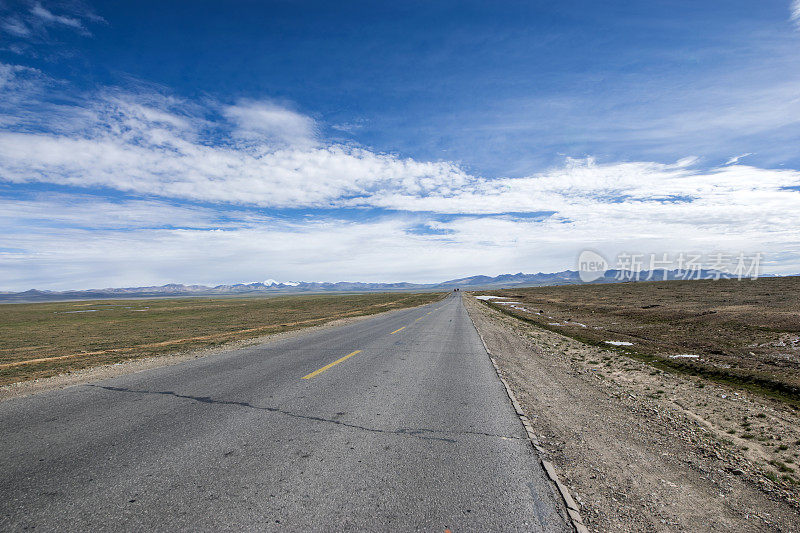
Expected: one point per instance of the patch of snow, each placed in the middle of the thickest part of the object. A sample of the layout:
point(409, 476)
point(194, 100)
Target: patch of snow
point(491, 297)
point(619, 343)
point(81, 311)
point(684, 356)
point(272, 282)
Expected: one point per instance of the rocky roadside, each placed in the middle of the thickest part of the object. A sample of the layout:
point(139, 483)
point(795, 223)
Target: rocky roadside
point(646, 450)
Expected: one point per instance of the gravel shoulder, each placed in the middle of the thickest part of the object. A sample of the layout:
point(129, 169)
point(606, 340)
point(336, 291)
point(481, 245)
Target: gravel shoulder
point(646, 450)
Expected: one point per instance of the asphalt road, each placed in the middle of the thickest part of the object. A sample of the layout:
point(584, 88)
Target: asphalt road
point(412, 432)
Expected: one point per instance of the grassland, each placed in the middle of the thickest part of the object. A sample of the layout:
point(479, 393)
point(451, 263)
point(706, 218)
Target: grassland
point(742, 332)
point(45, 339)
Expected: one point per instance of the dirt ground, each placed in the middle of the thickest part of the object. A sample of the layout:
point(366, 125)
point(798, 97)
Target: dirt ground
point(642, 449)
point(746, 332)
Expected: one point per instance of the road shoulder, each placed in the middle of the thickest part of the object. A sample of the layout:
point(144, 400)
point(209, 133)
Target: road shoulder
point(632, 462)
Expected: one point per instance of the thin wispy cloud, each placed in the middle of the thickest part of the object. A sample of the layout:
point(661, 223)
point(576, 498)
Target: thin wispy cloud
point(794, 11)
point(15, 27)
point(33, 20)
point(48, 17)
point(735, 159)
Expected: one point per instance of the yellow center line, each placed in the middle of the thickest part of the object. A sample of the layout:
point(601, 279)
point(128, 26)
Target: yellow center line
point(326, 367)
point(395, 331)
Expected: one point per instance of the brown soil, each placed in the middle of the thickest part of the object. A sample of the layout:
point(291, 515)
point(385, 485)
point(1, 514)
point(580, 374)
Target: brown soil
point(647, 450)
point(745, 332)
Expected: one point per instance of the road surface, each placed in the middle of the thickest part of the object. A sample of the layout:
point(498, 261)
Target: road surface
point(394, 423)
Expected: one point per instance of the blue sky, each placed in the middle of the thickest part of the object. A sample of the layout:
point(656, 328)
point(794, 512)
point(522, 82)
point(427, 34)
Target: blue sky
point(210, 142)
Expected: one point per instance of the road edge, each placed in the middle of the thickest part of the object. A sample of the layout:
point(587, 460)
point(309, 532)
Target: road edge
point(572, 508)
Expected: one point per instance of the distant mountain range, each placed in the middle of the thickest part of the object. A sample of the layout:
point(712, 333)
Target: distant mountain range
point(566, 277)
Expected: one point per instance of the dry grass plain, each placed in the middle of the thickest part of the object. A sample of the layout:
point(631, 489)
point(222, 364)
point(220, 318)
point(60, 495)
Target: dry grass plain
point(745, 333)
point(45, 339)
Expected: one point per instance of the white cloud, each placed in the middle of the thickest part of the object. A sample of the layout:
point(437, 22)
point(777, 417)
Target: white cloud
point(257, 155)
point(735, 159)
point(157, 162)
point(585, 189)
point(20, 89)
point(794, 11)
point(152, 145)
point(268, 122)
point(48, 17)
point(12, 78)
point(349, 127)
point(66, 252)
point(16, 27)
point(316, 249)
point(33, 24)
point(90, 212)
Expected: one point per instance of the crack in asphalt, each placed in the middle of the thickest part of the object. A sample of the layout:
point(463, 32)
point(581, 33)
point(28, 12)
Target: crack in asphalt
point(420, 433)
